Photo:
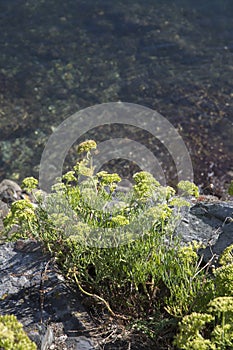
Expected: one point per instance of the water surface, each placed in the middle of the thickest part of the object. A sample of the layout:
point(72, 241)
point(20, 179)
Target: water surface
point(176, 57)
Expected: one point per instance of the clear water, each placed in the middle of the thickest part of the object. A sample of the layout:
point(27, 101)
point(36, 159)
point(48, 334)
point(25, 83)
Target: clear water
point(176, 57)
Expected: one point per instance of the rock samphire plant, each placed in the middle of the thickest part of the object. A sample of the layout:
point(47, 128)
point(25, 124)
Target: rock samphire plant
point(212, 326)
point(12, 335)
point(120, 248)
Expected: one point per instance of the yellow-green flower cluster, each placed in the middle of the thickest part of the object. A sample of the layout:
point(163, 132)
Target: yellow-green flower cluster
point(144, 176)
point(69, 176)
point(221, 304)
point(227, 256)
point(222, 335)
point(145, 184)
point(224, 280)
point(120, 220)
point(106, 179)
point(12, 335)
point(187, 254)
point(29, 183)
point(191, 328)
point(179, 202)
point(188, 188)
point(189, 337)
point(21, 211)
point(86, 146)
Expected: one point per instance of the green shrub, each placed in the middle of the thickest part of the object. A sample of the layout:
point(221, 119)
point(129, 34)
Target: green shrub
point(119, 248)
point(12, 335)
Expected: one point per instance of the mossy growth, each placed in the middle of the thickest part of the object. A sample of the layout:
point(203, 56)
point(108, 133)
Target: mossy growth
point(12, 335)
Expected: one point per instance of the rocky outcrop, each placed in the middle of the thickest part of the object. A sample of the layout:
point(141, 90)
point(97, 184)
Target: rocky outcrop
point(210, 223)
point(34, 291)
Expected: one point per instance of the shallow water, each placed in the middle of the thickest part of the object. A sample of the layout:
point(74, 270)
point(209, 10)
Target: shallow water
point(176, 57)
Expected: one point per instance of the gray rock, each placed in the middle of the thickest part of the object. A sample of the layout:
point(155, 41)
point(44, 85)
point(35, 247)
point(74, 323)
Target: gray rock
point(34, 291)
point(9, 191)
point(3, 213)
point(210, 224)
point(80, 343)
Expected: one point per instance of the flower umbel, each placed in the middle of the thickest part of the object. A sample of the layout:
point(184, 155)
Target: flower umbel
point(86, 146)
